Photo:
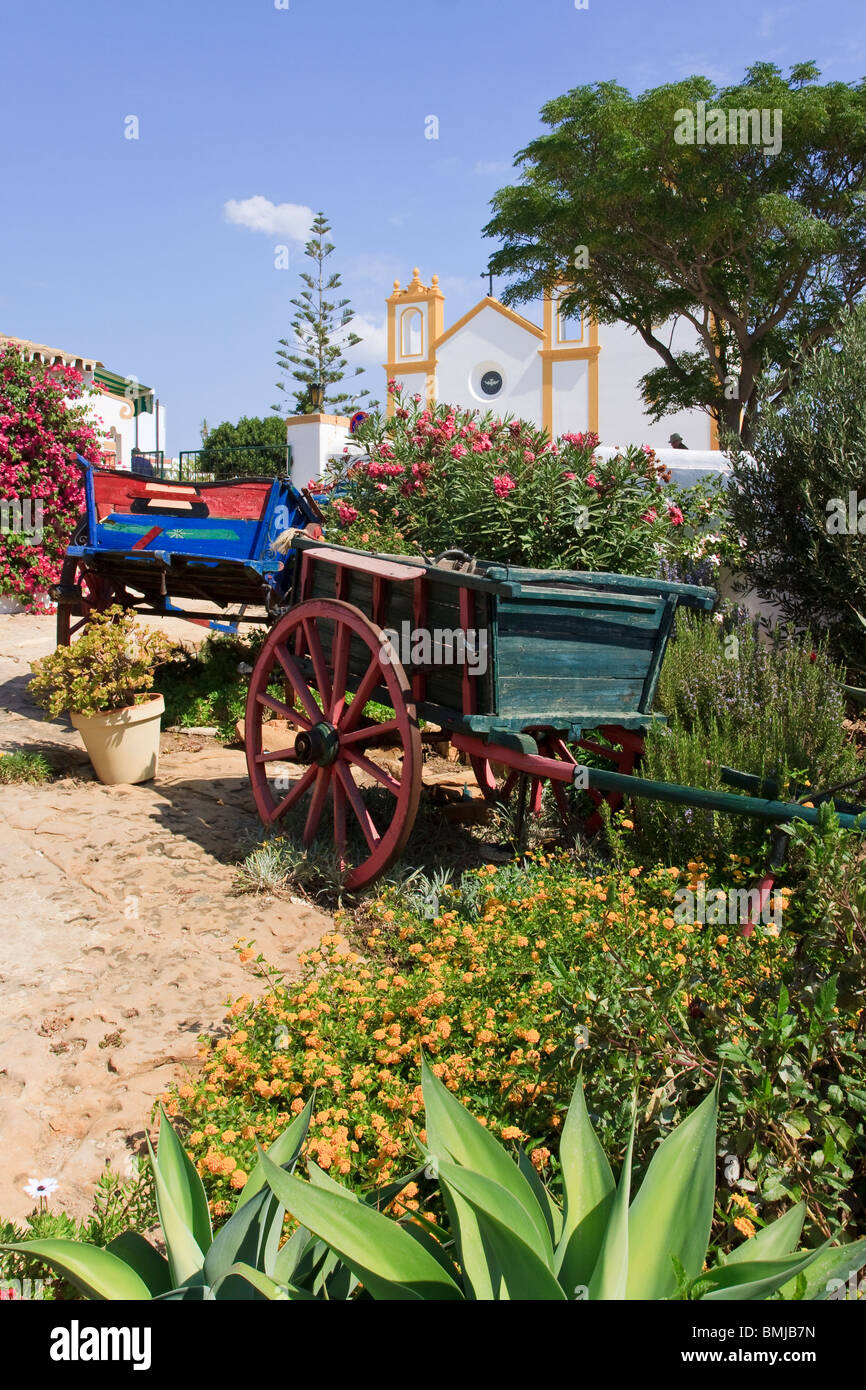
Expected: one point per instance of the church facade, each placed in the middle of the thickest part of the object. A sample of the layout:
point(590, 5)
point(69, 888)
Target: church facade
point(567, 374)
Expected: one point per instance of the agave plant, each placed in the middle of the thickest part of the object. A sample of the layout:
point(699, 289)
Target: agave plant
point(507, 1237)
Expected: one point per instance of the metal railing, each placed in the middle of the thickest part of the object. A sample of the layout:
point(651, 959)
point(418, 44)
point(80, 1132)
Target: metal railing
point(233, 461)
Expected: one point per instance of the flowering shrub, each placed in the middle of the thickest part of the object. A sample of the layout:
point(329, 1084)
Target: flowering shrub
point(106, 669)
point(40, 434)
point(771, 708)
point(511, 982)
point(438, 477)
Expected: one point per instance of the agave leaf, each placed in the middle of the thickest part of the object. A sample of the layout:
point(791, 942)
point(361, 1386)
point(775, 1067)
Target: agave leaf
point(241, 1239)
point(672, 1213)
point(588, 1189)
point(422, 1230)
point(552, 1213)
point(524, 1274)
point(481, 1274)
point(290, 1255)
point(284, 1150)
point(380, 1197)
point(488, 1196)
point(451, 1130)
point(319, 1178)
point(754, 1280)
point(185, 1257)
point(779, 1238)
point(258, 1283)
point(388, 1262)
point(833, 1262)
point(140, 1255)
point(183, 1183)
point(97, 1273)
point(609, 1278)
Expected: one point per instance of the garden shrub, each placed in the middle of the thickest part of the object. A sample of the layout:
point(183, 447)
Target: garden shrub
point(733, 698)
point(439, 476)
point(799, 500)
point(512, 982)
point(40, 434)
point(208, 687)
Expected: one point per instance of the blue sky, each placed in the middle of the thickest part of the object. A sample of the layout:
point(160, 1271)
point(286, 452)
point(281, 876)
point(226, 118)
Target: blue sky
point(123, 249)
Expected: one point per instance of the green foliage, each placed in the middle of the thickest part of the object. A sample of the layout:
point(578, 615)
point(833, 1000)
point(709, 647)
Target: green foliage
point(438, 477)
point(208, 687)
point(19, 766)
point(506, 981)
point(507, 1235)
point(735, 698)
point(107, 668)
point(799, 502)
point(251, 447)
point(759, 251)
point(119, 1205)
point(321, 334)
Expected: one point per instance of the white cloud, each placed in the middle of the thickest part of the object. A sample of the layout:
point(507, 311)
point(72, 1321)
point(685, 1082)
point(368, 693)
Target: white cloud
point(259, 214)
point(373, 349)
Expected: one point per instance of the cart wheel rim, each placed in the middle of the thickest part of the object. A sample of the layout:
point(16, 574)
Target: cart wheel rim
point(82, 592)
point(328, 742)
point(626, 747)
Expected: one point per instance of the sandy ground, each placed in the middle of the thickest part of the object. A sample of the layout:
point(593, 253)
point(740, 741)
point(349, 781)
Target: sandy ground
point(117, 920)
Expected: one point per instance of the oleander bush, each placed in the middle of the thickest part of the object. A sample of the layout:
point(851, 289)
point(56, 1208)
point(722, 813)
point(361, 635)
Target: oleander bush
point(771, 706)
point(440, 476)
point(518, 976)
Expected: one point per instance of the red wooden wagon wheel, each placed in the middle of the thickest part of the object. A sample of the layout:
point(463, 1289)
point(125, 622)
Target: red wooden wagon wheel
point(371, 818)
point(621, 750)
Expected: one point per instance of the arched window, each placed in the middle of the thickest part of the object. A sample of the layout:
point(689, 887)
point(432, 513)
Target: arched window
point(569, 327)
point(411, 333)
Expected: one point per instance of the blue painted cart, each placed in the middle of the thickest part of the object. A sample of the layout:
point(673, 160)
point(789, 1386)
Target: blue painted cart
point(154, 545)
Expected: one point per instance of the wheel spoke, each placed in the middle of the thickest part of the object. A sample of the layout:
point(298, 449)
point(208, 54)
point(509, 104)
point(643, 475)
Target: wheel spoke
point(293, 716)
point(353, 712)
point(296, 792)
point(390, 726)
point(561, 799)
point(317, 804)
point(338, 792)
point(320, 665)
point(356, 801)
point(373, 770)
point(283, 755)
point(299, 685)
point(340, 654)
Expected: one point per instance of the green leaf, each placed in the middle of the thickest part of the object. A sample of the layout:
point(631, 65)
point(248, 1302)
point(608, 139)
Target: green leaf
point(183, 1183)
point(95, 1272)
point(452, 1130)
point(258, 1283)
point(523, 1273)
point(388, 1262)
point(779, 1238)
point(833, 1262)
point(588, 1189)
point(673, 1211)
point(552, 1213)
point(140, 1255)
point(242, 1238)
point(284, 1151)
point(185, 1257)
point(610, 1275)
point(756, 1280)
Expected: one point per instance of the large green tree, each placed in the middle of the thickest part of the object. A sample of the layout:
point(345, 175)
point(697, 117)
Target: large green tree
point(321, 334)
point(252, 447)
point(748, 226)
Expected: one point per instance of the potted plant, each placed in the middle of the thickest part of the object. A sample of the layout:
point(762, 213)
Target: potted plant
point(104, 680)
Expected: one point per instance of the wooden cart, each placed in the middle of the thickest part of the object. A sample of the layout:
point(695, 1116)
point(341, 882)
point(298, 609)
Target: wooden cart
point(572, 662)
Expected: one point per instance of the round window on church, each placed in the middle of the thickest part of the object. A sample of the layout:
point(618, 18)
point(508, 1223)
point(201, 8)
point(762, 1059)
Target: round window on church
point(486, 381)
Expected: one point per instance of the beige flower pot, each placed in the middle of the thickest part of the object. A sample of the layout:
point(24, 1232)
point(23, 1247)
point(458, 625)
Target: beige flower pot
point(123, 744)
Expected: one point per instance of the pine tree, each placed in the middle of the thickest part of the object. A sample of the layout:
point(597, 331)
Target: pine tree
point(320, 334)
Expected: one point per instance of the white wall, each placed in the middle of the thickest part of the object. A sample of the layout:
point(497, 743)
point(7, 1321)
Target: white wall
point(491, 342)
point(107, 412)
point(623, 360)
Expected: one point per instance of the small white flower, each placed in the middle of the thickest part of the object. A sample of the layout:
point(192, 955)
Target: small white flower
point(40, 1187)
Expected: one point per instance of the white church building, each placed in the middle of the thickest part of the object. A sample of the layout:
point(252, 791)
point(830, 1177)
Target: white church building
point(568, 375)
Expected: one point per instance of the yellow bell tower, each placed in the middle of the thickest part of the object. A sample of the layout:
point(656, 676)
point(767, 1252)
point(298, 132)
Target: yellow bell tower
point(415, 321)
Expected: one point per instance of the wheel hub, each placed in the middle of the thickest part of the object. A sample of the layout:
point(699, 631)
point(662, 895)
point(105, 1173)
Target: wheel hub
point(318, 745)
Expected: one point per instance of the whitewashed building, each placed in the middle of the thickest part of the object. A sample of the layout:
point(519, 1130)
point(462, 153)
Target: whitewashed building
point(127, 415)
point(568, 375)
